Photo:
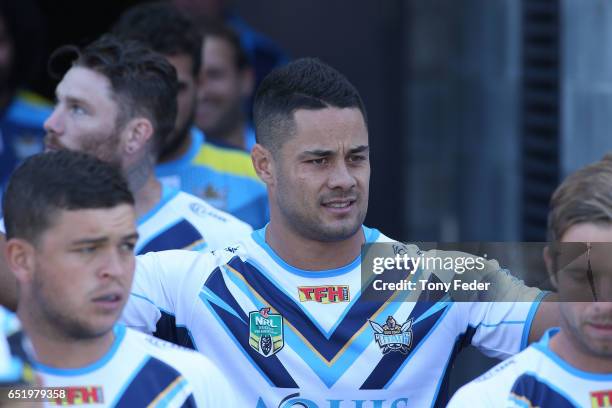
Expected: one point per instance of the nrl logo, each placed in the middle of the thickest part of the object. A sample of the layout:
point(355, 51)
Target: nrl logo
point(266, 332)
point(393, 337)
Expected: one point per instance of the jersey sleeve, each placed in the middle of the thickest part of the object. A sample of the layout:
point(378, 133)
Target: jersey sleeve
point(501, 329)
point(2, 228)
point(498, 320)
point(166, 281)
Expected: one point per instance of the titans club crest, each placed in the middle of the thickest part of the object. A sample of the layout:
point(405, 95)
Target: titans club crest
point(393, 337)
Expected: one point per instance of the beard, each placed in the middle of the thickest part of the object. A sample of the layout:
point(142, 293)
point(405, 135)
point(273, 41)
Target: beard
point(225, 124)
point(57, 320)
point(172, 143)
point(102, 146)
point(307, 223)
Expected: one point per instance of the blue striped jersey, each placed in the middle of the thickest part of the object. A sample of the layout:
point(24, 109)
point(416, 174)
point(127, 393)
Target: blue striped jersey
point(288, 337)
point(183, 221)
point(140, 371)
point(223, 177)
point(15, 352)
point(536, 377)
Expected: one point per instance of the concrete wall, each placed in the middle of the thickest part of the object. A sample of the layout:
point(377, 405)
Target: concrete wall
point(461, 112)
point(586, 83)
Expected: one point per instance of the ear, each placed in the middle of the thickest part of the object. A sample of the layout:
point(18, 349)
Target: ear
point(21, 259)
point(247, 81)
point(550, 265)
point(263, 162)
point(138, 132)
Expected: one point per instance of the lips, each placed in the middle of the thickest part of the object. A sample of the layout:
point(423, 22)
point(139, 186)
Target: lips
point(602, 326)
point(52, 145)
point(112, 297)
point(339, 206)
point(109, 301)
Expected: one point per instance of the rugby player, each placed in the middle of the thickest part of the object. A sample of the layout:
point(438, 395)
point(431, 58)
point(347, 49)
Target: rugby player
point(570, 366)
point(71, 230)
point(227, 84)
point(224, 177)
point(252, 309)
point(118, 101)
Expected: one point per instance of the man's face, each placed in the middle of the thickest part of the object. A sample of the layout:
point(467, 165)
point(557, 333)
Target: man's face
point(322, 172)
point(85, 117)
point(588, 323)
point(223, 88)
point(188, 89)
point(84, 265)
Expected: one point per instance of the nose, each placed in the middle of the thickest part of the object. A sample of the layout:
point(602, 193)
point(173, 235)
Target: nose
point(54, 123)
point(117, 264)
point(341, 177)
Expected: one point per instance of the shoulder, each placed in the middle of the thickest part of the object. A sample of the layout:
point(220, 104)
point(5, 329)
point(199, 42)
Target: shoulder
point(29, 109)
point(214, 217)
point(8, 322)
point(494, 386)
point(187, 262)
point(188, 362)
point(226, 160)
point(161, 349)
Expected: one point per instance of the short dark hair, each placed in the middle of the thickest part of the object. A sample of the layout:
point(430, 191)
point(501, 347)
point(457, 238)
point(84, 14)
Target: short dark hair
point(306, 83)
point(216, 28)
point(62, 180)
point(163, 28)
point(584, 196)
point(143, 82)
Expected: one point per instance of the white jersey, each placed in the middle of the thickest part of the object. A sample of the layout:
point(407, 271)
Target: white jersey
point(289, 337)
point(183, 221)
point(536, 377)
point(140, 371)
point(15, 352)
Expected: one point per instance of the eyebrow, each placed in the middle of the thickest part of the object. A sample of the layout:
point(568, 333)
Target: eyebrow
point(77, 100)
point(69, 99)
point(325, 153)
point(359, 149)
point(102, 240)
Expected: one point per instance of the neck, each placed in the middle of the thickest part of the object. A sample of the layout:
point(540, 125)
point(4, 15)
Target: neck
point(179, 150)
point(144, 185)
point(313, 255)
point(148, 196)
point(234, 136)
point(59, 350)
point(575, 355)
